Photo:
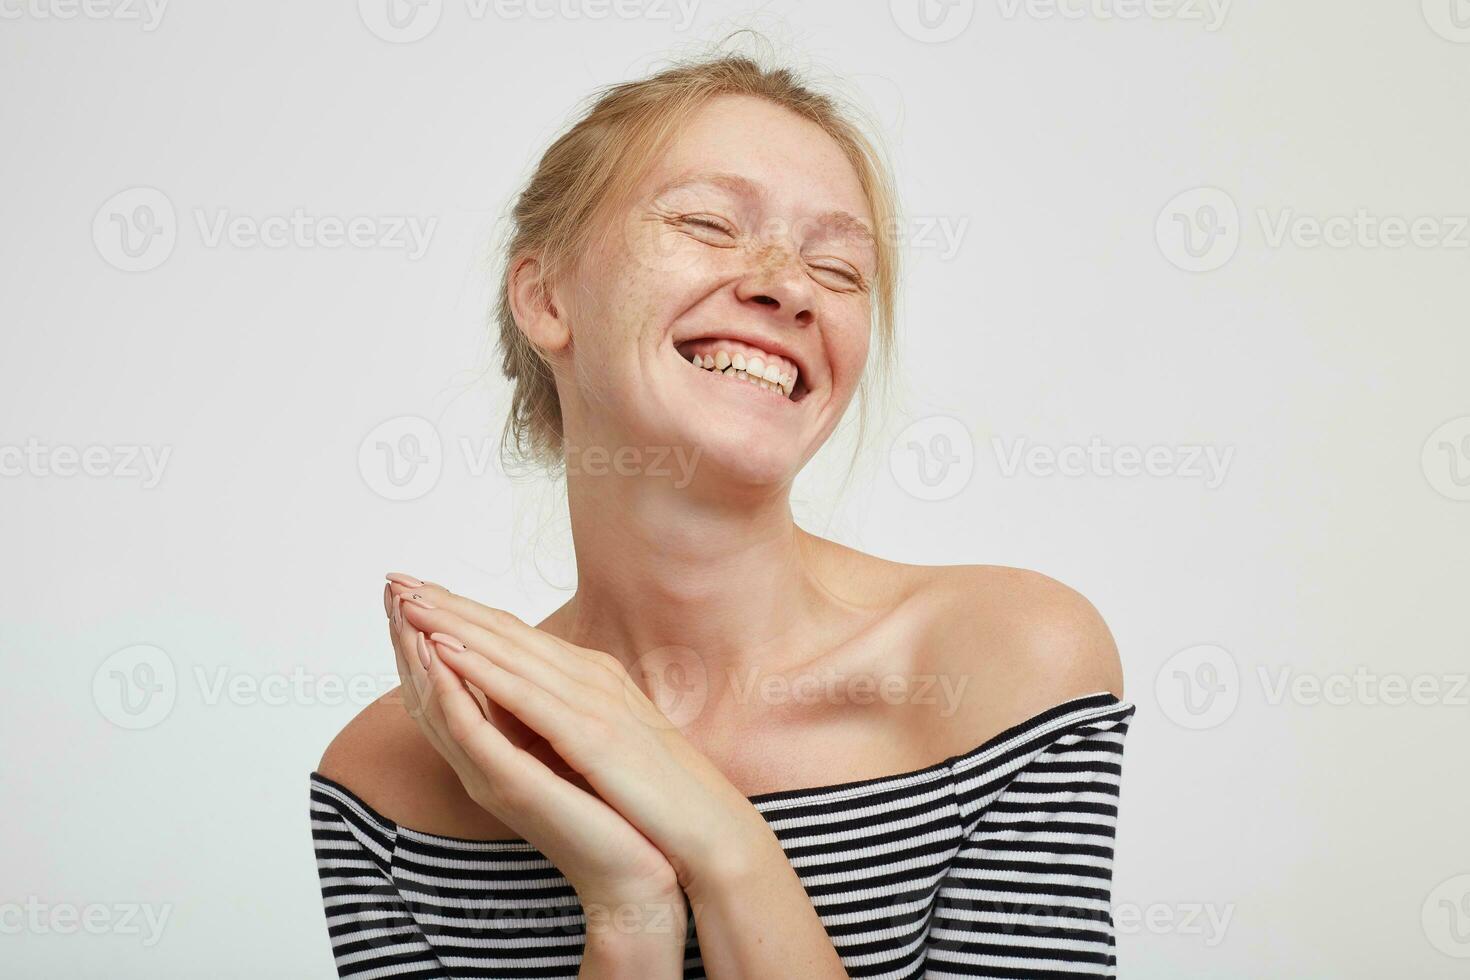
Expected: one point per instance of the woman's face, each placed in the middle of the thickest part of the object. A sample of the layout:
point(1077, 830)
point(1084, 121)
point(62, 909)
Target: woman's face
point(749, 240)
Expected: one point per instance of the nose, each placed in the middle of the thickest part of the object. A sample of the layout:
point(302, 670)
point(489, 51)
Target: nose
point(778, 281)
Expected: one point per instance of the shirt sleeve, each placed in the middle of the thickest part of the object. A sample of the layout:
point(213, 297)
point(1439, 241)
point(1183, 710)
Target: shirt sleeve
point(370, 926)
point(1029, 894)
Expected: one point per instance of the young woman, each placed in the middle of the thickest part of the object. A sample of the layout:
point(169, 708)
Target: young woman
point(739, 750)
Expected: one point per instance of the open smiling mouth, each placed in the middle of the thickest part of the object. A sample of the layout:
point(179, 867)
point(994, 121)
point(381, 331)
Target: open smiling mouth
point(745, 364)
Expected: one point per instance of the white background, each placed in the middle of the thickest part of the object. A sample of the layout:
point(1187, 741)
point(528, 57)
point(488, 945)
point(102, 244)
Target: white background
point(1052, 143)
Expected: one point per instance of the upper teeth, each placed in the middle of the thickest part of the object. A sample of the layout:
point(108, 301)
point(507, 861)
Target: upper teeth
point(767, 371)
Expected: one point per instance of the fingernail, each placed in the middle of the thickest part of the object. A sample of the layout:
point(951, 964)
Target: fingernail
point(448, 641)
point(417, 600)
point(397, 613)
point(423, 646)
point(387, 602)
point(399, 578)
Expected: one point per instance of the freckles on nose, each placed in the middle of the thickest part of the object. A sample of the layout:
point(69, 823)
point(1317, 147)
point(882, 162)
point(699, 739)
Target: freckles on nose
point(770, 258)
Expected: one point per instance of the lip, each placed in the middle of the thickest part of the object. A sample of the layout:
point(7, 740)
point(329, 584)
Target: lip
point(770, 345)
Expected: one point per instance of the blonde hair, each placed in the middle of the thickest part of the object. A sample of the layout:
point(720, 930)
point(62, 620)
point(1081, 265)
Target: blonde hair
point(596, 163)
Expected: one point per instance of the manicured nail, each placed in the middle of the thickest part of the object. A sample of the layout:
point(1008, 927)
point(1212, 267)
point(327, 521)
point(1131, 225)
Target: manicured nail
point(417, 600)
point(387, 602)
point(423, 646)
point(397, 613)
point(398, 578)
point(448, 641)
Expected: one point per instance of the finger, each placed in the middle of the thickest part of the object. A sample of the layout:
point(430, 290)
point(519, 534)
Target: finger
point(434, 725)
point(553, 671)
point(411, 653)
point(537, 785)
point(539, 710)
point(519, 788)
point(411, 670)
point(489, 618)
point(499, 762)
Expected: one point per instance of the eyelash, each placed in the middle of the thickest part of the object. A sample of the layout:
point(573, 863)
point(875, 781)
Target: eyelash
point(851, 277)
point(708, 223)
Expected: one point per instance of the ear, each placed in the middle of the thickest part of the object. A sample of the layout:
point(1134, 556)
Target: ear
point(540, 317)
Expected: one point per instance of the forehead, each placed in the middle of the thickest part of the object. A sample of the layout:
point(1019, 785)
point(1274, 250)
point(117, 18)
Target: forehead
point(748, 147)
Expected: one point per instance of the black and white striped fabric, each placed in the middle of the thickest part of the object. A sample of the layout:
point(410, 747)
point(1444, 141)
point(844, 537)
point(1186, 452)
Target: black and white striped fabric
point(995, 863)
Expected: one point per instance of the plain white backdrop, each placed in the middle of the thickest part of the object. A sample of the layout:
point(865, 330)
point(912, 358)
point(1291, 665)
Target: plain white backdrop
point(1184, 325)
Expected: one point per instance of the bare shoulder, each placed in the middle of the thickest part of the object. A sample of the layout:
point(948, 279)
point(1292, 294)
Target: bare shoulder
point(1019, 640)
point(383, 757)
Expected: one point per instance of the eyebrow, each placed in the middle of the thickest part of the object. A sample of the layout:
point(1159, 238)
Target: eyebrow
point(845, 220)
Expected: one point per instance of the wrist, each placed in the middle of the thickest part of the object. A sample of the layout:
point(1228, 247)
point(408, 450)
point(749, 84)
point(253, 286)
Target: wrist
point(635, 920)
point(732, 866)
point(612, 955)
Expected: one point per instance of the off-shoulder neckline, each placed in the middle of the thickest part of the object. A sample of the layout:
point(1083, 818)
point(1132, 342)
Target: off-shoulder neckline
point(1101, 702)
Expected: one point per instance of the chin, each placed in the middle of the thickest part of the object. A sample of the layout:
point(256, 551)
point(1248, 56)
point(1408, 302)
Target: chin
point(731, 454)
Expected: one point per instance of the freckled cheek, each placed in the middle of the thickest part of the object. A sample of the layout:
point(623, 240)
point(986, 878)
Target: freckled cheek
point(633, 313)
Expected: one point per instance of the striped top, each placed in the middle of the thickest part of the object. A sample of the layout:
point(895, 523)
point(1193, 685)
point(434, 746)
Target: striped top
point(993, 863)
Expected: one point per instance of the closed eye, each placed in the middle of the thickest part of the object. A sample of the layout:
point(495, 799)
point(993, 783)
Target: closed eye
point(852, 277)
point(706, 222)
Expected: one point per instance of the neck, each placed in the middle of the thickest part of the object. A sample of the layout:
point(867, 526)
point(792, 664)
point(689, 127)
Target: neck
point(662, 567)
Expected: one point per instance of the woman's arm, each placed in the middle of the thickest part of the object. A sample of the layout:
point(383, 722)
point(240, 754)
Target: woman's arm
point(754, 918)
point(628, 892)
point(636, 940)
point(1030, 887)
point(370, 927)
point(741, 886)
